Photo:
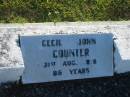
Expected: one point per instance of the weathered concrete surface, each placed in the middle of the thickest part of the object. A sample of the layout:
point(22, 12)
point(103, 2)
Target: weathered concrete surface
point(11, 61)
point(120, 30)
point(122, 55)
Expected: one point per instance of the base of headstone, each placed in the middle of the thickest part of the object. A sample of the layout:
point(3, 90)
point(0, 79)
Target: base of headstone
point(10, 74)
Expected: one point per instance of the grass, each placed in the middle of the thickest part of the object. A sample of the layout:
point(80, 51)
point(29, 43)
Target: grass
point(22, 11)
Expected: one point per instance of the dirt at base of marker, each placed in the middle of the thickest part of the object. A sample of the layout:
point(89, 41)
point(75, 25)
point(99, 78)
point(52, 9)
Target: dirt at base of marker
point(116, 86)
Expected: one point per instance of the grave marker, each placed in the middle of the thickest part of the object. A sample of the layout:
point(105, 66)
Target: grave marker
point(66, 57)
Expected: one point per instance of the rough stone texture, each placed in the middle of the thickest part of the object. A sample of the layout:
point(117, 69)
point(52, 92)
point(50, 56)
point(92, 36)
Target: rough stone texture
point(122, 55)
point(10, 54)
point(11, 61)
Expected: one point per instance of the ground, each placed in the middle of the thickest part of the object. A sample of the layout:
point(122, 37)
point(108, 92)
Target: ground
point(116, 86)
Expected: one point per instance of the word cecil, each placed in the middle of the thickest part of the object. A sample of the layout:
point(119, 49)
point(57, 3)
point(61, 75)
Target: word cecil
point(65, 53)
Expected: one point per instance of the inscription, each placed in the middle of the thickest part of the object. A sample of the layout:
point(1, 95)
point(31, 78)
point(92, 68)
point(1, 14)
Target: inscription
point(49, 43)
point(79, 71)
point(64, 57)
point(70, 53)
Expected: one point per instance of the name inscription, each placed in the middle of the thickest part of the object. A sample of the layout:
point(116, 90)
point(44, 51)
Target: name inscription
point(64, 57)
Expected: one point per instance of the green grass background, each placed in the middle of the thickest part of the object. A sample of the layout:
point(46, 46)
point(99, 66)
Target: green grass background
point(22, 11)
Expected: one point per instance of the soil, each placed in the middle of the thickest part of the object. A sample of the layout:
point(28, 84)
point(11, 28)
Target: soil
point(116, 86)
